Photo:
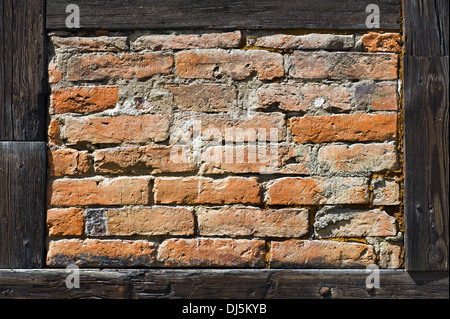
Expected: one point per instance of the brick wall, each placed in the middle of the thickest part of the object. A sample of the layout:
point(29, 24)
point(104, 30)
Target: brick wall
point(224, 149)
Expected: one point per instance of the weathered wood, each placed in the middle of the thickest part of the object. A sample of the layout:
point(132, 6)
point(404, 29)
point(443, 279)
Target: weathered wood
point(23, 71)
point(223, 14)
point(426, 134)
point(426, 138)
point(220, 284)
point(426, 27)
point(22, 204)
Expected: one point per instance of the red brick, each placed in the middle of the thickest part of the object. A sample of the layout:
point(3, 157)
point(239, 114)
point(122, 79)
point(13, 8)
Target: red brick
point(315, 41)
point(90, 44)
point(65, 222)
point(391, 255)
point(320, 254)
point(117, 130)
point(385, 192)
point(343, 65)
point(158, 42)
point(135, 160)
point(357, 158)
point(201, 190)
point(99, 67)
point(212, 252)
point(381, 42)
point(248, 221)
point(54, 73)
point(259, 127)
point(149, 221)
point(204, 97)
point(344, 128)
point(337, 222)
point(317, 191)
point(54, 133)
point(378, 96)
point(99, 191)
point(239, 65)
point(101, 253)
point(69, 162)
point(84, 99)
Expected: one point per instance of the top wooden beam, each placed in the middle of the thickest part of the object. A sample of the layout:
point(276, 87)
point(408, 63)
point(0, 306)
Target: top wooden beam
point(224, 14)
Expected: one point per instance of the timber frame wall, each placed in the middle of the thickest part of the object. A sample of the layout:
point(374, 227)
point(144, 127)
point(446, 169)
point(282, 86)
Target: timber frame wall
point(23, 145)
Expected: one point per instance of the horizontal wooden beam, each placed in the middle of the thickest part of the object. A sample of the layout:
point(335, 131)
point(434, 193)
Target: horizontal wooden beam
point(221, 284)
point(223, 14)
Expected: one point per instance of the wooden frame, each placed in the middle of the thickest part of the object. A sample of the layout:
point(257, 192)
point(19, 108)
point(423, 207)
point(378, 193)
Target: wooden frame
point(23, 105)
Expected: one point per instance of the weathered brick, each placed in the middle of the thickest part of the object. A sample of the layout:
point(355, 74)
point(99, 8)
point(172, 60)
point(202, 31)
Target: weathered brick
point(84, 99)
point(357, 158)
point(54, 73)
point(343, 65)
point(141, 220)
point(258, 128)
point(320, 254)
point(65, 222)
point(158, 42)
point(99, 191)
point(295, 159)
point(54, 133)
point(385, 192)
point(212, 252)
point(344, 128)
point(391, 255)
point(377, 96)
point(68, 162)
point(90, 44)
point(248, 221)
point(204, 97)
point(241, 159)
point(317, 191)
point(117, 130)
point(332, 222)
point(381, 42)
point(135, 160)
point(308, 41)
point(239, 65)
point(101, 253)
point(201, 190)
point(99, 67)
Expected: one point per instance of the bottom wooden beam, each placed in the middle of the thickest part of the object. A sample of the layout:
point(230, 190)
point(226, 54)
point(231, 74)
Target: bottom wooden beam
point(222, 284)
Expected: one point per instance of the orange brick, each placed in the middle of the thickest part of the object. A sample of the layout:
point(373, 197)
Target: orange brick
point(381, 42)
point(212, 252)
point(317, 191)
point(65, 222)
point(69, 162)
point(343, 65)
point(99, 191)
point(201, 190)
point(320, 254)
point(99, 67)
point(134, 160)
point(84, 99)
point(238, 65)
point(344, 128)
point(117, 130)
point(249, 221)
point(101, 253)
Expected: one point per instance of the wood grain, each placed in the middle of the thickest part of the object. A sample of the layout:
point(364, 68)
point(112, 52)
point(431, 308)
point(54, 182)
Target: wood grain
point(23, 71)
point(223, 14)
point(221, 284)
point(22, 204)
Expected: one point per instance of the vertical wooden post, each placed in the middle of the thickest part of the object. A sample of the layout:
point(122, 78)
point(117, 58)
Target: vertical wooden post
point(23, 109)
point(426, 134)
